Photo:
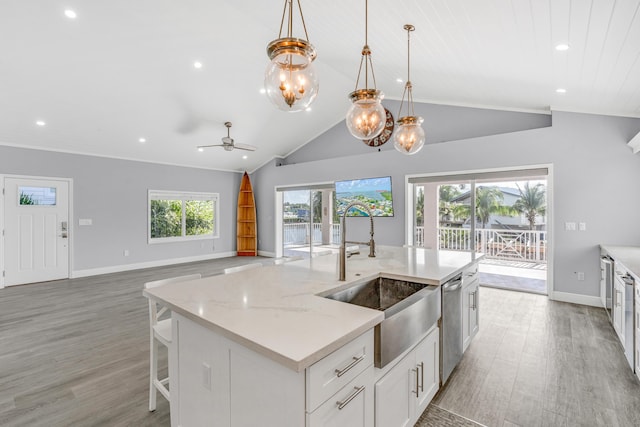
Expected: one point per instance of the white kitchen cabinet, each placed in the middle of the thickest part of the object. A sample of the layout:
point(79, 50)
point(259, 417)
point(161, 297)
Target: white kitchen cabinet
point(470, 312)
point(220, 382)
point(618, 310)
point(404, 392)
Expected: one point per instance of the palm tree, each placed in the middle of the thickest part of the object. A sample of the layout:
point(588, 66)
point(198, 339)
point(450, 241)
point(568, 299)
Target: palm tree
point(489, 202)
point(532, 202)
point(449, 209)
point(420, 207)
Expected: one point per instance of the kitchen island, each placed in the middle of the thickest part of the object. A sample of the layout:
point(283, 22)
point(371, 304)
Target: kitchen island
point(249, 347)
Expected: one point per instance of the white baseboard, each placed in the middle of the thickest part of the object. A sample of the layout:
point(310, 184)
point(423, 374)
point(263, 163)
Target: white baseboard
point(149, 264)
point(576, 298)
point(267, 254)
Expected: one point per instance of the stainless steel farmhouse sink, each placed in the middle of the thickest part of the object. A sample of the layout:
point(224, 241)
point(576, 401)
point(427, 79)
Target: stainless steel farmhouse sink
point(410, 309)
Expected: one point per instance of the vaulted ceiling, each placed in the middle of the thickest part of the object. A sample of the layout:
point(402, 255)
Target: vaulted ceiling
point(124, 70)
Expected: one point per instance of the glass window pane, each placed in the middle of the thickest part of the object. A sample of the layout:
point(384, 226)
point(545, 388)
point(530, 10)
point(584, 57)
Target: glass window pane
point(166, 218)
point(41, 196)
point(199, 217)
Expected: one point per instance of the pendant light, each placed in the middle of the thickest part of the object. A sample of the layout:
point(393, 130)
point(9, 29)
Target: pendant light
point(409, 136)
point(290, 81)
point(366, 117)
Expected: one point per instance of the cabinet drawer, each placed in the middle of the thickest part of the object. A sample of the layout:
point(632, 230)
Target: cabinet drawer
point(351, 406)
point(327, 376)
point(470, 274)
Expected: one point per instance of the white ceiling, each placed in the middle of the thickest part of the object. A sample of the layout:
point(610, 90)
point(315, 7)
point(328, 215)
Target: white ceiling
point(123, 69)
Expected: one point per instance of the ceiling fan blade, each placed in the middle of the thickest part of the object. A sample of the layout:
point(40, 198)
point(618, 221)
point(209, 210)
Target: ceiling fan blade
point(214, 145)
point(245, 147)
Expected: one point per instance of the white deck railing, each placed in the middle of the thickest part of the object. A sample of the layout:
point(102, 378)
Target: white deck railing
point(522, 245)
point(298, 233)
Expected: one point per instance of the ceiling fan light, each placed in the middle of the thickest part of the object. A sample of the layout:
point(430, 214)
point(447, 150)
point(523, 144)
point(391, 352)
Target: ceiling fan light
point(366, 117)
point(409, 136)
point(291, 82)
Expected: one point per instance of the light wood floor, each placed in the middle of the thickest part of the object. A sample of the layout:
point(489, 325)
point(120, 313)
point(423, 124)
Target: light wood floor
point(76, 353)
point(537, 362)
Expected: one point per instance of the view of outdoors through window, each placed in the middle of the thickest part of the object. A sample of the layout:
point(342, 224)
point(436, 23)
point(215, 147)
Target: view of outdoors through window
point(169, 218)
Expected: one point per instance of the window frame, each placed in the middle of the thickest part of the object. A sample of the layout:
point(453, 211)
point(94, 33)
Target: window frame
point(183, 196)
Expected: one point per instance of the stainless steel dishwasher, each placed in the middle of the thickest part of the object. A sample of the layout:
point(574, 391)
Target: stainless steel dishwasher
point(451, 348)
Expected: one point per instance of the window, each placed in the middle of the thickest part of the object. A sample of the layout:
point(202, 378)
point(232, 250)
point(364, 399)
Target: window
point(41, 196)
point(178, 216)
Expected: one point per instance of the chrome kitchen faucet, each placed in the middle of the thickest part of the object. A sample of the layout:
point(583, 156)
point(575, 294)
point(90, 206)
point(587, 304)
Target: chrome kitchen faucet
point(343, 245)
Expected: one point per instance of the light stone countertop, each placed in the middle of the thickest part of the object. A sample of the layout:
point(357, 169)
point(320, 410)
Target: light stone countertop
point(276, 311)
point(629, 256)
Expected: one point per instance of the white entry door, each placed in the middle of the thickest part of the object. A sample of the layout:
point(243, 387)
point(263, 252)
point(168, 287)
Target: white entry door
point(36, 228)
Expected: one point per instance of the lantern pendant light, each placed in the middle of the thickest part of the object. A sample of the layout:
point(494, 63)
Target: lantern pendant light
point(366, 117)
point(290, 81)
point(409, 137)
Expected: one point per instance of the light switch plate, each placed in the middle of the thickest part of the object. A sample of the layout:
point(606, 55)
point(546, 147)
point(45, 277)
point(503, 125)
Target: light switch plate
point(87, 221)
point(570, 226)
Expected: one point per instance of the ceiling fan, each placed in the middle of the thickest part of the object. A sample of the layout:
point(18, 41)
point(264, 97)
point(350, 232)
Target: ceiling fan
point(228, 144)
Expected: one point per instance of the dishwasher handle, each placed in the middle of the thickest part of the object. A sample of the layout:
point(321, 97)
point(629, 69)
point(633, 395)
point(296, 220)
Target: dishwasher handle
point(452, 285)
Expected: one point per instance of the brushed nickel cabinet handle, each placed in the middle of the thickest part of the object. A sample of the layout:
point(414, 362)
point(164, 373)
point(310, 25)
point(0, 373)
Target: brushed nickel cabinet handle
point(417, 392)
point(356, 360)
point(342, 404)
point(422, 376)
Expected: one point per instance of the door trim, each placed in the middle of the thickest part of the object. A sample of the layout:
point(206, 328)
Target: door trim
point(69, 181)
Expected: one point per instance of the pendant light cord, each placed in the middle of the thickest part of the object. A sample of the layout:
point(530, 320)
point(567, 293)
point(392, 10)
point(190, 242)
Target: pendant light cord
point(290, 20)
point(366, 53)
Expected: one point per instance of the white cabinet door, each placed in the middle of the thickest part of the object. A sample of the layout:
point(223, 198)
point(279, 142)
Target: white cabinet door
point(427, 356)
point(395, 395)
point(469, 312)
point(618, 310)
point(466, 304)
point(405, 391)
point(351, 406)
point(474, 311)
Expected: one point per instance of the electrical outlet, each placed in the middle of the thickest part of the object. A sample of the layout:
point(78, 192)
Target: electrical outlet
point(582, 226)
point(126, 252)
point(580, 275)
point(570, 226)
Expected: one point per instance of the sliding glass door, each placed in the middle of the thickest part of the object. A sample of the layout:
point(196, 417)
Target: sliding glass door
point(502, 215)
point(307, 226)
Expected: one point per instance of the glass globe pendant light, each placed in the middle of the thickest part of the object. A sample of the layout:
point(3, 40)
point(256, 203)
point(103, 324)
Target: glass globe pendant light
point(290, 81)
point(366, 116)
point(409, 136)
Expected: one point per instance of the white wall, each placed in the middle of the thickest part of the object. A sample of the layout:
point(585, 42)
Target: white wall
point(596, 180)
point(113, 193)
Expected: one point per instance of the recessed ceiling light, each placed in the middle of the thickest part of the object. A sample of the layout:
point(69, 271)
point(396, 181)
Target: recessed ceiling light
point(197, 64)
point(245, 157)
point(263, 91)
point(142, 140)
point(399, 80)
point(71, 14)
point(562, 47)
point(40, 123)
point(561, 90)
point(200, 149)
point(308, 109)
